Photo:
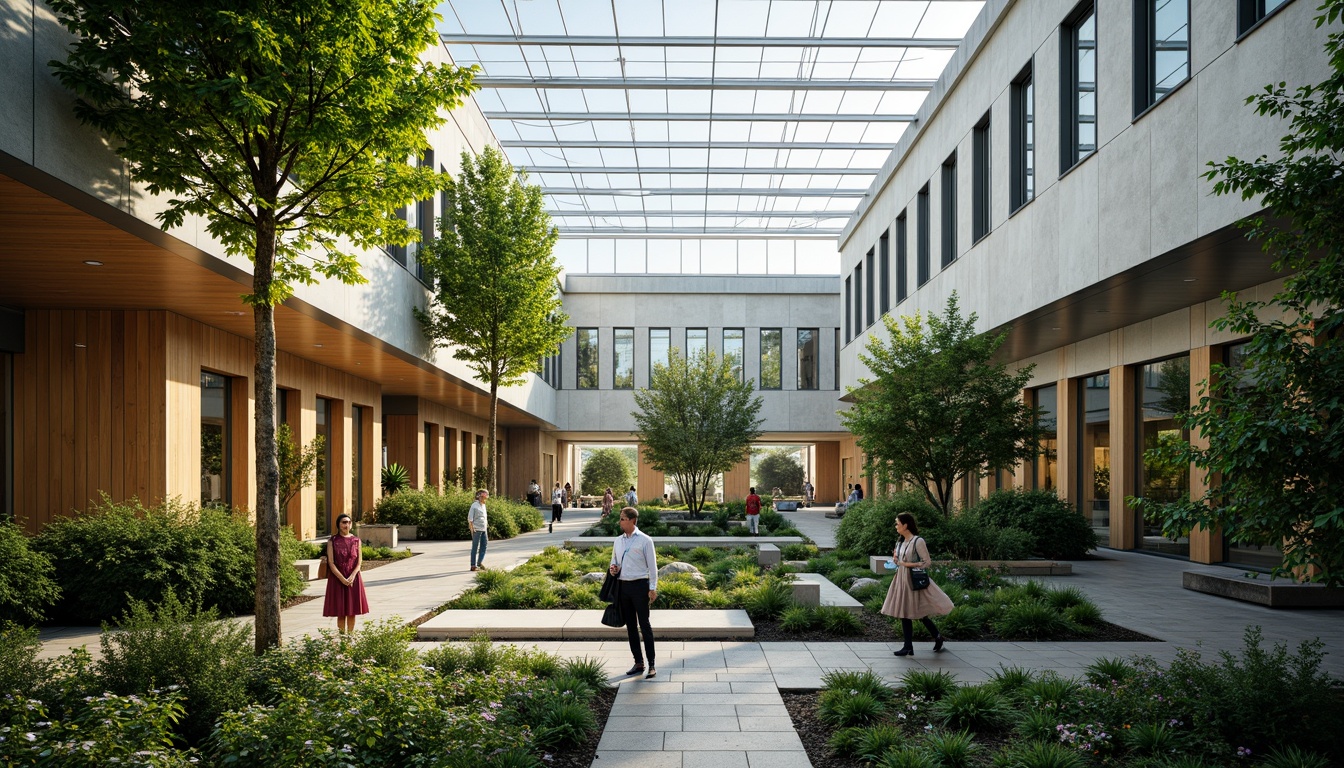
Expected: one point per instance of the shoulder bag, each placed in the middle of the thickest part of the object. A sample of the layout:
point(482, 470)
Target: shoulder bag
point(612, 616)
point(919, 578)
point(609, 589)
point(322, 571)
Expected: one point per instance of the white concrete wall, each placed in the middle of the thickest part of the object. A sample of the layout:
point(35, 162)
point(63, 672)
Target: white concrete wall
point(38, 127)
point(1139, 196)
point(642, 302)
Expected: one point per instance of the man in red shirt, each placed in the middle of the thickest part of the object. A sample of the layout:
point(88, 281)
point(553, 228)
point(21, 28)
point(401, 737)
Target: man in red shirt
point(754, 513)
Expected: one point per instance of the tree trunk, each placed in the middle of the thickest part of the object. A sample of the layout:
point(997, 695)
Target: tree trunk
point(491, 480)
point(267, 508)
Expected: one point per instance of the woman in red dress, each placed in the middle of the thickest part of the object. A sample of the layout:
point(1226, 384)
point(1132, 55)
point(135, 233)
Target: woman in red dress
point(345, 585)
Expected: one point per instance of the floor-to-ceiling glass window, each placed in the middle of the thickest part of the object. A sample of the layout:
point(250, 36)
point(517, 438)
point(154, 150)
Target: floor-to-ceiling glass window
point(586, 354)
point(358, 415)
point(1095, 446)
point(1268, 554)
point(1045, 466)
point(733, 339)
point(323, 481)
point(1164, 392)
point(214, 439)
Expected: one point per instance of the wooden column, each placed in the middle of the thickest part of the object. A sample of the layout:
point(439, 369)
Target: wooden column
point(737, 481)
point(649, 482)
point(827, 479)
point(403, 444)
point(1206, 546)
point(1124, 457)
point(1067, 440)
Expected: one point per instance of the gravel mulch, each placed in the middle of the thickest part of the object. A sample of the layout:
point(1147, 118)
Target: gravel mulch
point(583, 755)
point(876, 629)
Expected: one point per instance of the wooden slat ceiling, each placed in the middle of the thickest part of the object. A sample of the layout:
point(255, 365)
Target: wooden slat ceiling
point(44, 242)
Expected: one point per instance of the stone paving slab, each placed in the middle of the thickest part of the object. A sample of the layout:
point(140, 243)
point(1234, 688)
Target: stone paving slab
point(585, 624)
point(830, 593)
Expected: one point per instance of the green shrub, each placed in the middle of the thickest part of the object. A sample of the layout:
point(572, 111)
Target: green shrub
point(170, 645)
point(590, 670)
point(1010, 681)
point(1292, 757)
point(409, 507)
point(868, 592)
point(843, 709)
point(1057, 529)
point(1037, 724)
point(908, 756)
point(677, 594)
point(973, 708)
point(565, 723)
point(797, 618)
point(1106, 672)
point(1050, 691)
point(98, 731)
point(968, 536)
point(768, 600)
point(845, 742)
point(869, 527)
point(952, 750)
point(963, 623)
point(798, 551)
point(116, 553)
point(27, 588)
point(20, 669)
point(862, 681)
point(877, 741)
point(1150, 739)
point(932, 685)
point(1038, 754)
point(838, 621)
point(1033, 620)
point(1084, 616)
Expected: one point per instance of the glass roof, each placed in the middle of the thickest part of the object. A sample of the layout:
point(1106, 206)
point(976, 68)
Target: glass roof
point(694, 121)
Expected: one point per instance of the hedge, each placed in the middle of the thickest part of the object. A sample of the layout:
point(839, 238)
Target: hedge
point(444, 515)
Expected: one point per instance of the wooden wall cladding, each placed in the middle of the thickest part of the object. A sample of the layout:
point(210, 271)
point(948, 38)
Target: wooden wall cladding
point(89, 411)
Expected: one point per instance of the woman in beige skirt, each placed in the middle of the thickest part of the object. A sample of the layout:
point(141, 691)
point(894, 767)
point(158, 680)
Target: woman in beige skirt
point(905, 603)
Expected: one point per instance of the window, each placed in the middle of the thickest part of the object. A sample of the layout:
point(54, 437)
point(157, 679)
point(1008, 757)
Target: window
point(323, 480)
point(949, 212)
point(848, 304)
point(732, 349)
point(216, 440)
point(1045, 465)
point(1161, 49)
point(980, 178)
point(1095, 462)
point(1078, 86)
point(623, 363)
point(836, 359)
point(902, 259)
point(1164, 393)
point(1023, 138)
point(771, 364)
point(424, 219)
point(858, 299)
point(1251, 12)
point(922, 236)
point(884, 248)
point(359, 415)
point(807, 358)
point(868, 293)
point(431, 434)
point(660, 346)
point(6, 436)
point(697, 342)
point(586, 355)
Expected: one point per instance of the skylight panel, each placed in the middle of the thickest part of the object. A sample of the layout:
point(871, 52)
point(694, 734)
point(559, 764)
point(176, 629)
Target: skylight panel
point(655, 180)
point(582, 155)
point(838, 158)
point(726, 180)
point(620, 203)
point(776, 102)
point(802, 158)
point(735, 69)
point(728, 130)
point(690, 158)
point(463, 54)
point(654, 222)
point(655, 157)
point(688, 130)
point(898, 19)
point(611, 130)
point(790, 204)
point(762, 158)
point(850, 19)
point(779, 70)
point(857, 181)
point(875, 70)
point(645, 68)
point(618, 157)
point(869, 158)
point(525, 129)
point(647, 100)
point(885, 133)
point(553, 179)
point(742, 18)
point(518, 99)
point(588, 17)
point(925, 65)
point(688, 180)
point(822, 102)
point(768, 131)
point(567, 203)
point(484, 18)
point(604, 99)
point(827, 182)
point(810, 131)
point(720, 157)
point(724, 203)
point(689, 100)
point(540, 17)
point(505, 129)
point(590, 66)
point(688, 18)
point(948, 19)
point(637, 17)
point(901, 102)
point(791, 18)
point(572, 131)
point(561, 99)
point(843, 131)
point(683, 203)
point(860, 102)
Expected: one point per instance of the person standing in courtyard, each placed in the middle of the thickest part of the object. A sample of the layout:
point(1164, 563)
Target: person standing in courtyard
point(569, 495)
point(557, 505)
point(754, 513)
point(345, 598)
point(635, 566)
point(903, 601)
point(533, 493)
point(631, 498)
point(478, 524)
point(608, 503)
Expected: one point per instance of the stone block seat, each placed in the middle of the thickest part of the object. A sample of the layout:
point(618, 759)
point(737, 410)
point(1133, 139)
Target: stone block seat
point(567, 624)
point(767, 555)
point(827, 592)
point(307, 569)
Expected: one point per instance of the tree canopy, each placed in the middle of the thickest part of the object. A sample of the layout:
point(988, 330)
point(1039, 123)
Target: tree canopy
point(496, 302)
point(696, 420)
point(780, 469)
point(1271, 428)
point(607, 468)
point(287, 128)
point(937, 408)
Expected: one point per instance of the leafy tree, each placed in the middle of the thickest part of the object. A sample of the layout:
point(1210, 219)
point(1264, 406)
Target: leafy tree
point(780, 469)
point(937, 408)
point(606, 468)
point(1274, 428)
point(696, 420)
point(298, 465)
point(287, 128)
point(495, 295)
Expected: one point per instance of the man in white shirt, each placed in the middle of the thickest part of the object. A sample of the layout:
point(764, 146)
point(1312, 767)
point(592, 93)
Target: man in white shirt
point(631, 498)
point(635, 565)
point(478, 524)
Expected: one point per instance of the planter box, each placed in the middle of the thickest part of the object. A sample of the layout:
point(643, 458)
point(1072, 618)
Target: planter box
point(408, 532)
point(378, 535)
point(877, 564)
point(1280, 593)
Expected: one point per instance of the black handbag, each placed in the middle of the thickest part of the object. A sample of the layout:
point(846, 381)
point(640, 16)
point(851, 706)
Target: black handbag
point(919, 579)
point(612, 616)
point(610, 590)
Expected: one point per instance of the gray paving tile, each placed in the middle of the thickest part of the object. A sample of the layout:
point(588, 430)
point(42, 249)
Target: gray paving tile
point(625, 723)
point(702, 723)
point(759, 741)
point(637, 759)
point(775, 760)
point(631, 740)
point(763, 710)
point(717, 759)
point(745, 723)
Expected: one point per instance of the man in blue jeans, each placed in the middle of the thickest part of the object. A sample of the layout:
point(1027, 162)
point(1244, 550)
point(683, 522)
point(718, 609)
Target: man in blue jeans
point(478, 525)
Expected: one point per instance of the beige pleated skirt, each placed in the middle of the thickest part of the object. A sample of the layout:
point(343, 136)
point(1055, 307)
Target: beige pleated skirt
point(905, 603)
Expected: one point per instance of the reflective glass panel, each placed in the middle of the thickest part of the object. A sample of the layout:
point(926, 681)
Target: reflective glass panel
point(1096, 453)
point(660, 344)
point(623, 365)
point(214, 439)
point(1164, 391)
point(697, 342)
point(807, 358)
point(586, 356)
point(771, 364)
point(1045, 467)
point(732, 349)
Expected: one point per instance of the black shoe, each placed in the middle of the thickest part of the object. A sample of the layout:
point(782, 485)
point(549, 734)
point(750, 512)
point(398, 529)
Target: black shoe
point(904, 652)
point(651, 672)
point(551, 529)
point(638, 669)
point(938, 644)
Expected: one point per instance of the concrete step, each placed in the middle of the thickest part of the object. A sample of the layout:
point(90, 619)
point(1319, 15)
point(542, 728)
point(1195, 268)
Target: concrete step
point(825, 590)
point(567, 624)
point(877, 563)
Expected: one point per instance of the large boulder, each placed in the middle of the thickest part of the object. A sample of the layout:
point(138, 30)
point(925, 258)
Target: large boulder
point(591, 578)
point(678, 567)
point(861, 583)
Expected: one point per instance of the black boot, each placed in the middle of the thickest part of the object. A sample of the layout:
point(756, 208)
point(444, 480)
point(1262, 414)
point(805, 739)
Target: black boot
point(906, 651)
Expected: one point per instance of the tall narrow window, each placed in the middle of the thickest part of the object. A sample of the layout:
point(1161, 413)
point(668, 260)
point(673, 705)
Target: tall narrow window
point(732, 349)
point(660, 346)
point(902, 258)
point(1023, 138)
point(847, 309)
point(807, 358)
point(1161, 49)
point(1250, 12)
point(359, 415)
point(922, 236)
point(1164, 395)
point(6, 436)
point(623, 364)
point(431, 435)
point(771, 362)
point(424, 220)
point(1095, 462)
point(1078, 86)
point(1045, 465)
point(323, 480)
point(586, 355)
point(949, 217)
point(215, 440)
point(868, 290)
point(835, 358)
point(884, 282)
point(858, 299)
point(697, 342)
point(980, 179)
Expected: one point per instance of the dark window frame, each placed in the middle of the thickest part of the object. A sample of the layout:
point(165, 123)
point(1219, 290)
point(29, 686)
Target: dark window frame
point(981, 157)
point(884, 280)
point(760, 355)
point(846, 309)
point(858, 299)
point(923, 265)
point(902, 257)
point(615, 361)
point(1145, 55)
point(665, 359)
point(948, 215)
point(742, 342)
point(868, 297)
point(1022, 137)
point(579, 345)
point(1251, 14)
point(816, 358)
point(1070, 148)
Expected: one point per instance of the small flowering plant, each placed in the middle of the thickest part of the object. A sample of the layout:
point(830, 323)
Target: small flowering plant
point(100, 731)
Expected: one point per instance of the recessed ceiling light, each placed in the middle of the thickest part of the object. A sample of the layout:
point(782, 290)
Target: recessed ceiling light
point(80, 346)
point(1189, 279)
point(93, 262)
point(234, 313)
point(1103, 311)
point(1056, 328)
point(319, 346)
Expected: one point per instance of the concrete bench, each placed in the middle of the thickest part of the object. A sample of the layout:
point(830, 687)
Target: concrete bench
point(786, 506)
point(1280, 593)
point(307, 569)
point(767, 555)
point(568, 624)
point(877, 564)
point(828, 594)
point(690, 542)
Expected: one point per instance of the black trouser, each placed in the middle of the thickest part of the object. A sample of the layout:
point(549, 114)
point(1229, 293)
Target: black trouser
point(635, 607)
point(908, 630)
point(557, 510)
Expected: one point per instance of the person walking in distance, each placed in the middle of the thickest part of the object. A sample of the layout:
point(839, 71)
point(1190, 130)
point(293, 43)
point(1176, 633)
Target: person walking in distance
point(533, 493)
point(631, 498)
point(635, 566)
point(903, 601)
point(754, 512)
point(557, 505)
point(608, 503)
point(478, 524)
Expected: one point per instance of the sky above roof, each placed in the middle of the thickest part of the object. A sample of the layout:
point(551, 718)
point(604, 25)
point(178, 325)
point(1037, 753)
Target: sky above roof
point(702, 136)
